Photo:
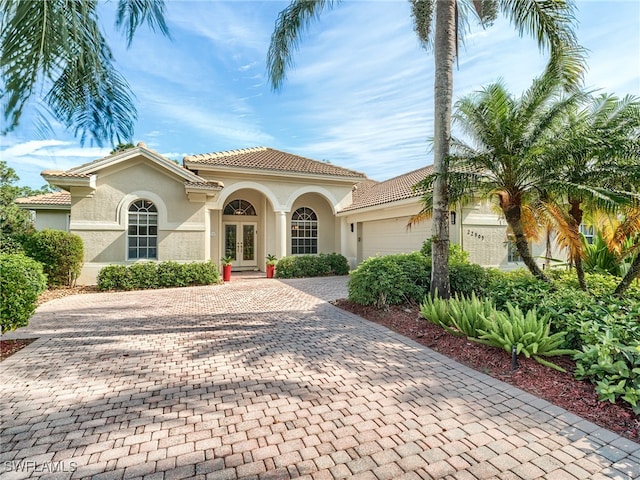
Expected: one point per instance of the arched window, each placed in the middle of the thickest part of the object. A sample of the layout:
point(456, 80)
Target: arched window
point(142, 231)
point(304, 231)
point(239, 207)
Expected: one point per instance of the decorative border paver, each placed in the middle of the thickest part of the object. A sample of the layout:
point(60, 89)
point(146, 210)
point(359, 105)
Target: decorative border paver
point(264, 379)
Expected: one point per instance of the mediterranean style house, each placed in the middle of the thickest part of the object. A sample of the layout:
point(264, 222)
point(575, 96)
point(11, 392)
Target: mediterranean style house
point(137, 205)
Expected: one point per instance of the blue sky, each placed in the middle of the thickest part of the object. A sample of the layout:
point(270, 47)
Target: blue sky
point(360, 94)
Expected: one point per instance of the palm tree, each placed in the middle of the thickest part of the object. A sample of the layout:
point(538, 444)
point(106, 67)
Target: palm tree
point(507, 140)
point(590, 160)
point(57, 47)
point(551, 23)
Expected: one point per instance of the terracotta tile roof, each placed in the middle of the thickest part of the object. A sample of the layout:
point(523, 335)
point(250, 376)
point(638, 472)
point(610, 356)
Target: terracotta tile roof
point(68, 173)
point(392, 190)
point(212, 184)
point(54, 198)
point(262, 158)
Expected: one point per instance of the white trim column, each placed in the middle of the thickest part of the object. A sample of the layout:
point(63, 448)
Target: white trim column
point(344, 237)
point(207, 234)
point(281, 234)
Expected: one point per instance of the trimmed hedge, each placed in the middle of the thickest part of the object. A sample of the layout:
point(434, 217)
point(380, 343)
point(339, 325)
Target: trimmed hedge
point(406, 277)
point(21, 282)
point(323, 264)
point(60, 253)
point(391, 279)
point(147, 275)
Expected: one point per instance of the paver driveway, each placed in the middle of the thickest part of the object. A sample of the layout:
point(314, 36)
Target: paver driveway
point(265, 379)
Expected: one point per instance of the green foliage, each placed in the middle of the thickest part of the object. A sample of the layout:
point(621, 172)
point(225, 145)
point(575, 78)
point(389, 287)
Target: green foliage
point(599, 259)
point(456, 253)
point(529, 332)
point(467, 279)
point(613, 366)
point(145, 275)
point(227, 260)
point(61, 254)
point(21, 282)
point(323, 264)
point(459, 315)
point(517, 287)
point(114, 277)
point(271, 259)
point(390, 280)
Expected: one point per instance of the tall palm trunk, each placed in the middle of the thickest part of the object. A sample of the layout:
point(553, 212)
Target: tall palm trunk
point(632, 274)
point(576, 214)
point(445, 45)
point(513, 216)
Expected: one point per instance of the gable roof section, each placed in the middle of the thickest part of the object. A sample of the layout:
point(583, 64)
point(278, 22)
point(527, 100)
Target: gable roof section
point(50, 200)
point(392, 190)
point(265, 159)
point(84, 175)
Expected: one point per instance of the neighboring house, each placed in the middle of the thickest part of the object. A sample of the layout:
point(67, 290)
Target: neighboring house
point(137, 205)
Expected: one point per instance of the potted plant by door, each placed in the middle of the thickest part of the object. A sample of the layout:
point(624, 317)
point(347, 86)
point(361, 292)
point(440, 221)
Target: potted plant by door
point(271, 265)
point(226, 268)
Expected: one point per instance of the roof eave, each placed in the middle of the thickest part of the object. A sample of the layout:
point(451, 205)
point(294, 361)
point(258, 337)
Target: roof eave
point(66, 182)
point(380, 206)
point(278, 173)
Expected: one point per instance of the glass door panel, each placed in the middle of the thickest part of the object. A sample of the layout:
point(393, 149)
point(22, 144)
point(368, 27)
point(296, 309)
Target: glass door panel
point(230, 240)
point(248, 243)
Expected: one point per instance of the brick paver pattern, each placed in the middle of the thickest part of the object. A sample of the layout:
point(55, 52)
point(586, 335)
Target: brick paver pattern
point(265, 379)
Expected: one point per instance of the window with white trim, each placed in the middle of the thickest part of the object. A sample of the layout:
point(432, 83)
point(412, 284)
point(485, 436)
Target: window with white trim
point(588, 231)
point(304, 232)
point(239, 207)
point(142, 231)
point(513, 256)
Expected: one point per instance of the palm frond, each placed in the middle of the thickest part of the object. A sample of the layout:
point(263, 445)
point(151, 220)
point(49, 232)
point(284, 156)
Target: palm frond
point(131, 14)
point(286, 36)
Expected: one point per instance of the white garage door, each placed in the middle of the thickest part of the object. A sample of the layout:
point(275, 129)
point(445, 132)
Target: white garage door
point(384, 237)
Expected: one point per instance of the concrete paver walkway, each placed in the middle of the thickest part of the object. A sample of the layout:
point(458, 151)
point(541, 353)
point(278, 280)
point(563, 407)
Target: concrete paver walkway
point(264, 379)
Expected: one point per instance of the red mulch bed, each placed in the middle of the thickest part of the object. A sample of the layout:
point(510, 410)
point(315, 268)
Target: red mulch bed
point(9, 347)
point(561, 389)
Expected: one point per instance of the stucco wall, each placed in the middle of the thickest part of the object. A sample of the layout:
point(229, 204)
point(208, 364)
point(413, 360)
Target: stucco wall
point(326, 222)
point(101, 219)
point(52, 219)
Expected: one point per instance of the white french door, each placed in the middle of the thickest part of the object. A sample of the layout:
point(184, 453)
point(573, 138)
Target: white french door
point(240, 243)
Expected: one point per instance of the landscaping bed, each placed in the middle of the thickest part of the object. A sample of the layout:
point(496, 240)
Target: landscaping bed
point(561, 389)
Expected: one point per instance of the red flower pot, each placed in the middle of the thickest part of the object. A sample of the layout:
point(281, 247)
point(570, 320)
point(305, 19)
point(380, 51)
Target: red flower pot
point(270, 270)
point(226, 273)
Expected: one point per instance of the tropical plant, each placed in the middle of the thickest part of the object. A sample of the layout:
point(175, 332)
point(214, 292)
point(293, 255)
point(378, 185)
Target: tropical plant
point(529, 333)
point(271, 259)
point(551, 23)
point(21, 282)
point(458, 315)
point(57, 47)
point(505, 140)
point(592, 164)
point(227, 260)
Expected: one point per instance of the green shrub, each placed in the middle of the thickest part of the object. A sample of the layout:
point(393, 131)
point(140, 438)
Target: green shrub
point(390, 280)
point(530, 333)
point(61, 254)
point(201, 273)
point(613, 366)
point(21, 282)
point(467, 279)
point(115, 277)
point(518, 287)
point(459, 315)
point(456, 253)
point(323, 264)
point(172, 274)
point(146, 275)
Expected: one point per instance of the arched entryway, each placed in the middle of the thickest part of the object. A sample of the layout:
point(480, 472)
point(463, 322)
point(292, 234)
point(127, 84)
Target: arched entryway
point(240, 228)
